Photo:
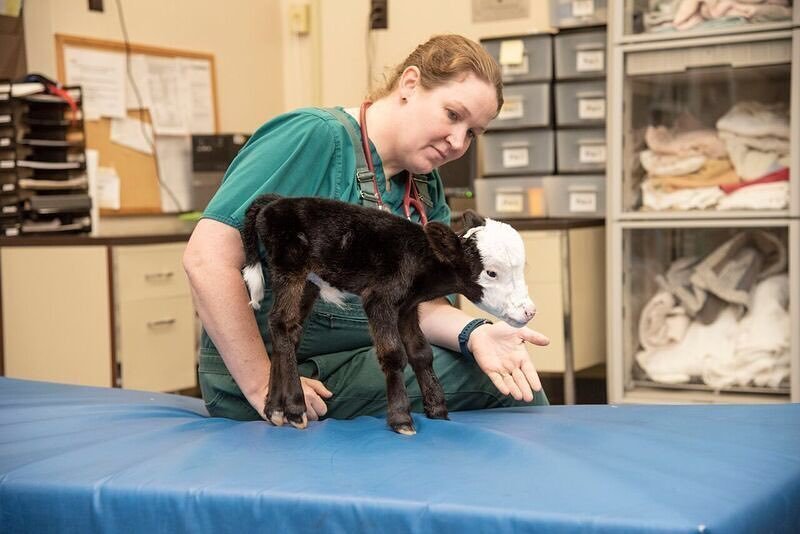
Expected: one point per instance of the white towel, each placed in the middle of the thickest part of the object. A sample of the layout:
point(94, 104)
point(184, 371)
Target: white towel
point(769, 196)
point(662, 322)
point(761, 347)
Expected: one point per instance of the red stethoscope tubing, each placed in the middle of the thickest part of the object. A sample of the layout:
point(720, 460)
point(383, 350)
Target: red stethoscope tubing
point(411, 196)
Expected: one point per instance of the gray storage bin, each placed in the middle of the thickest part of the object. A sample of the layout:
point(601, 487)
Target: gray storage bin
point(581, 103)
point(525, 152)
point(575, 196)
point(511, 198)
point(525, 105)
point(581, 150)
point(580, 54)
point(575, 13)
point(537, 57)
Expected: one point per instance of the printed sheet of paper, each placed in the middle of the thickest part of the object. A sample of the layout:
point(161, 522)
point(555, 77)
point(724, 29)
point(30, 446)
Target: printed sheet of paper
point(174, 158)
point(128, 132)
point(195, 78)
point(102, 76)
point(108, 188)
point(166, 97)
point(140, 76)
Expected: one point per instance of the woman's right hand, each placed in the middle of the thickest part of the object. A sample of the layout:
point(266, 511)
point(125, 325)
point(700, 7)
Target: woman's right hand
point(314, 392)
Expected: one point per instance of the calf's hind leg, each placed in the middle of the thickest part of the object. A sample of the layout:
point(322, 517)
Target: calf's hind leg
point(293, 300)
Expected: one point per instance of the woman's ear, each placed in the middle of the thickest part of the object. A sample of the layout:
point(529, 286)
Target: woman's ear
point(409, 81)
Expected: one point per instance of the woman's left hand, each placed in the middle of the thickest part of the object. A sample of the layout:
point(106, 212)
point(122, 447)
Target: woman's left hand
point(500, 352)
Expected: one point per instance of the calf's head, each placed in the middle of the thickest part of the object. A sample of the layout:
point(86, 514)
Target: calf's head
point(495, 259)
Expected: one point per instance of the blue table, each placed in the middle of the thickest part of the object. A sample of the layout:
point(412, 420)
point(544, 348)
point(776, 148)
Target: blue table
point(80, 459)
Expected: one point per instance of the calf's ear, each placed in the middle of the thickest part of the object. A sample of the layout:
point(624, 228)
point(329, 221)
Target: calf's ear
point(444, 242)
point(471, 219)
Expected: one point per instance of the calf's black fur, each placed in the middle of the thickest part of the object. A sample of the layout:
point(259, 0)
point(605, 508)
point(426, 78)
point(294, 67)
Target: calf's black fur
point(391, 263)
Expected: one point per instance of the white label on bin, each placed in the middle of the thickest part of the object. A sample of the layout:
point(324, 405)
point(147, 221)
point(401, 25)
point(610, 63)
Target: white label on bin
point(5, 118)
point(6, 164)
point(514, 70)
point(592, 154)
point(11, 232)
point(590, 60)
point(8, 187)
point(583, 202)
point(508, 202)
point(582, 8)
point(515, 157)
point(5, 141)
point(513, 108)
point(9, 209)
point(592, 108)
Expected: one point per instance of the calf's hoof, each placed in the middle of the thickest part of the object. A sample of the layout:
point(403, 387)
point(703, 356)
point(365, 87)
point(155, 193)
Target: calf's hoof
point(405, 429)
point(438, 412)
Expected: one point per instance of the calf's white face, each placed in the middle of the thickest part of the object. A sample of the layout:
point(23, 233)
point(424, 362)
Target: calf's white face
point(505, 293)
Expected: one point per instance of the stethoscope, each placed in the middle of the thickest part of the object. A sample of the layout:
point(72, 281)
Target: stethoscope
point(411, 197)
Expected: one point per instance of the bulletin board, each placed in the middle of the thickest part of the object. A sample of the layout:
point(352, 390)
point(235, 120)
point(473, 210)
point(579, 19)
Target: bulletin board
point(140, 192)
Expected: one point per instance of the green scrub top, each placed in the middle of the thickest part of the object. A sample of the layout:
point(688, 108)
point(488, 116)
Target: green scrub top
point(308, 152)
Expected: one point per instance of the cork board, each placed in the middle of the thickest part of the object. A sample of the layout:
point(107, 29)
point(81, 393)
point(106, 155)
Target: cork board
point(138, 172)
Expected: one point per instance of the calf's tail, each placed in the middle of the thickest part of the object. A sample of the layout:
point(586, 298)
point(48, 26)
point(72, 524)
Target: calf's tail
point(252, 271)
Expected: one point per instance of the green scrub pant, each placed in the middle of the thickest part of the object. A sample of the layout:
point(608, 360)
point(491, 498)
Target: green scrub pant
point(336, 349)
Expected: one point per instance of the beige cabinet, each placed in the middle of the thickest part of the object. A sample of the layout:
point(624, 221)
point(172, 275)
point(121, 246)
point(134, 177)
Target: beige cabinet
point(565, 273)
point(102, 313)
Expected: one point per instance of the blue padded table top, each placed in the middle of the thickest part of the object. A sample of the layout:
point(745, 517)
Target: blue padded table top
point(80, 459)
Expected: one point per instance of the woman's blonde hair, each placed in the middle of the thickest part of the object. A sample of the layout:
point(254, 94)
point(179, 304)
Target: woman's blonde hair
point(441, 59)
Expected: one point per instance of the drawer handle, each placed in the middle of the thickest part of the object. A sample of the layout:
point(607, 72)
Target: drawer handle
point(152, 277)
point(160, 322)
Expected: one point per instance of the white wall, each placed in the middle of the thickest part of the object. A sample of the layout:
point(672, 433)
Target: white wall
point(245, 37)
point(345, 40)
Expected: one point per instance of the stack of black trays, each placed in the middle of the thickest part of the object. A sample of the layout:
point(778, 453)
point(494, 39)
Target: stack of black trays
point(52, 183)
point(9, 197)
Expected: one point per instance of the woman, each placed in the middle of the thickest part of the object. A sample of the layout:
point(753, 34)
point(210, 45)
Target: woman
point(435, 103)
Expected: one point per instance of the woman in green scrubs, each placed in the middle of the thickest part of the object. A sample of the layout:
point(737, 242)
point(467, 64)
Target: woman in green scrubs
point(432, 107)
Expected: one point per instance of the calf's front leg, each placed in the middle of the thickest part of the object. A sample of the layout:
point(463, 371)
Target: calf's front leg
point(420, 356)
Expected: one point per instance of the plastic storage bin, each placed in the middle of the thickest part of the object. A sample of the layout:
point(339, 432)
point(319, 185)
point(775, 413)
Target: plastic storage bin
point(518, 152)
point(575, 13)
point(580, 54)
point(525, 106)
point(575, 196)
point(580, 103)
point(581, 150)
point(509, 198)
point(535, 63)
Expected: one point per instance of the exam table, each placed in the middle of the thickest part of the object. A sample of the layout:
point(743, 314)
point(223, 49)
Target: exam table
point(82, 459)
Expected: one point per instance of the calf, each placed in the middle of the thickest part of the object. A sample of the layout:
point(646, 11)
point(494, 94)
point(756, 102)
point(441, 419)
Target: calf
point(318, 247)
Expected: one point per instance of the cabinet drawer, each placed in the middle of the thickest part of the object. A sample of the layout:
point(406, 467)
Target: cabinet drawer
point(155, 344)
point(580, 54)
point(149, 271)
point(518, 153)
point(536, 60)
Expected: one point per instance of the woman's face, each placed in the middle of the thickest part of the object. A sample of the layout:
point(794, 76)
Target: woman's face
point(439, 124)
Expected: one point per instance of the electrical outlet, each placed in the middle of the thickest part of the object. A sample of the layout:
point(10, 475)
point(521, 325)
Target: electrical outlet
point(96, 5)
point(379, 15)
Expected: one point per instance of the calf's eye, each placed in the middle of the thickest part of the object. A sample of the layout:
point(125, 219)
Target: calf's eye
point(491, 274)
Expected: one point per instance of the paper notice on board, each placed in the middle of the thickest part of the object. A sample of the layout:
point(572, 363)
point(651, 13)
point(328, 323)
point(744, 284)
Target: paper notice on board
point(166, 99)
point(108, 188)
point(195, 78)
point(131, 133)
point(101, 74)
point(174, 159)
point(138, 71)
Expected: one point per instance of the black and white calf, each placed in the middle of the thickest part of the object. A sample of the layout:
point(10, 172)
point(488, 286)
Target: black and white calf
point(317, 247)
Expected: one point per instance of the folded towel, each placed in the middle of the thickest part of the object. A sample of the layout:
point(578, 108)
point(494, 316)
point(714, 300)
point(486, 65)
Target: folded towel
point(685, 143)
point(670, 165)
point(764, 196)
point(754, 119)
point(698, 198)
point(662, 322)
point(714, 172)
point(777, 176)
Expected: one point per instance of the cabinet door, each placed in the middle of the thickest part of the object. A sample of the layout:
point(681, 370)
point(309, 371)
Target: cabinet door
point(156, 344)
point(56, 314)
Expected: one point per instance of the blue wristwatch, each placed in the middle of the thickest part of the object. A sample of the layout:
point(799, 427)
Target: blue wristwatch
point(463, 337)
